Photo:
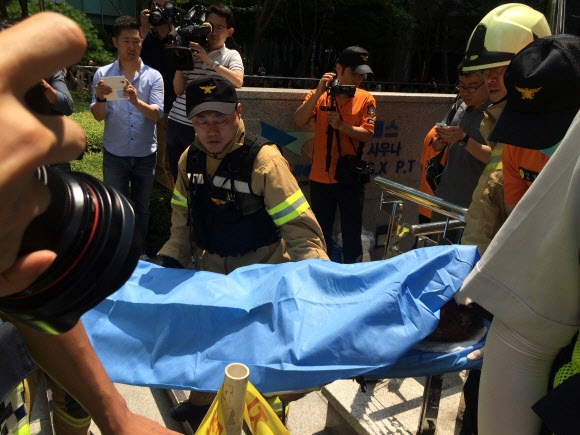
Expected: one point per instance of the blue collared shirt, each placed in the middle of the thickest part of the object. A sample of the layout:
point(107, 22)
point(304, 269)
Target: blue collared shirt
point(127, 131)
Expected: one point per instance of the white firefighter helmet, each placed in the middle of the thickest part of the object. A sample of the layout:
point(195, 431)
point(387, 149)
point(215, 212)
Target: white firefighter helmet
point(501, 34)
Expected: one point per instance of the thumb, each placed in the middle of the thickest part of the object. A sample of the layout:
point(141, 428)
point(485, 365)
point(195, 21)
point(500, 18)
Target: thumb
point(476, 354)
point(25, 271)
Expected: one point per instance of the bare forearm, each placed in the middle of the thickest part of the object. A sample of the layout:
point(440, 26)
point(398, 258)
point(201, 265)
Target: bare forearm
point(99, 111)
point(179, 82)
point(236, 77)
point(147, 110)
point(479, 151)
point(70, 360)
point(356, 133)
point(304, 112)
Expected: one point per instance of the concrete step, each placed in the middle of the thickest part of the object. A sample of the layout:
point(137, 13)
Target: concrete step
point(393, 406)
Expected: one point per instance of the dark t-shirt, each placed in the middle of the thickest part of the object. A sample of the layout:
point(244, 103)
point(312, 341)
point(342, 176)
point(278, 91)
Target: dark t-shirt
point(152, 55)
point(462, 170)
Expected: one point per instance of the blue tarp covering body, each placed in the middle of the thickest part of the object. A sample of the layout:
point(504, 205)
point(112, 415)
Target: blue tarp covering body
point(295, 325)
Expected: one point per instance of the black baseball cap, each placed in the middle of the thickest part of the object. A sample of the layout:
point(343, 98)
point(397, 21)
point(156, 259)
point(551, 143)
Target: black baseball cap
point(543, 93)
point(210, 93)
point(357, 58)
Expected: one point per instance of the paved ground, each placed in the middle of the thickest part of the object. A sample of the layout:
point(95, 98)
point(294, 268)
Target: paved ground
point(390, 406)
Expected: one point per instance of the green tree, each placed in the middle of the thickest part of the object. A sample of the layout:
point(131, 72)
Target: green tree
point(95, 46)
point(4, 11)
point(408, 40)
point(253, 20)
point(306, 20)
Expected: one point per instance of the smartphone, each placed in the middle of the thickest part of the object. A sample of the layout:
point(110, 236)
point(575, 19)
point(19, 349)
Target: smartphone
point(441, 124)
point(117, 83)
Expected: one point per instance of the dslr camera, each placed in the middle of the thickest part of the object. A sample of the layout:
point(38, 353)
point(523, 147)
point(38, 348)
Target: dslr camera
point(195, 29)
point(159, 15)
point(93, 231)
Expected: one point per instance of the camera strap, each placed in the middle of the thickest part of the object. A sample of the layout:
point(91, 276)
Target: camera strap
point(358, 150)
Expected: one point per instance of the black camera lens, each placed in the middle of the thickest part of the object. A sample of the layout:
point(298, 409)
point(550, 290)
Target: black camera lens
point(93, 231)
point(170, 10)
point(156, 17)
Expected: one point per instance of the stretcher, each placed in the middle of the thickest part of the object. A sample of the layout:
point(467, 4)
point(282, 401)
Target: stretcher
point(297, 326)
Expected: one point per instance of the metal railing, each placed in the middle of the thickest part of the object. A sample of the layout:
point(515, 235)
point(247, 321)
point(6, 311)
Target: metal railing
point(397, 229)
point(266, 81)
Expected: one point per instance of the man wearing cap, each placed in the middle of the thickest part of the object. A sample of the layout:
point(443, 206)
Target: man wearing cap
point(245, 204)
point(353, 124)
point(546, 94)
point(502, 33)
point(235, 199)
point(529, 277)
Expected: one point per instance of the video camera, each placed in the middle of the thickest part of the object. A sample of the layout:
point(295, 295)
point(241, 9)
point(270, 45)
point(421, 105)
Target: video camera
point(93, 231)
point(335, 89)
point(195, 29)
point(161, 15)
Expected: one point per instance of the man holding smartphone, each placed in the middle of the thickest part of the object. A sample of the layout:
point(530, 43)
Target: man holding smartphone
point(130, 137)
point(468, 154)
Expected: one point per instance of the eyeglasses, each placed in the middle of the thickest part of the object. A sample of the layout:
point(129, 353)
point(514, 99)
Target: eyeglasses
point(469, 89)
point(219, 27)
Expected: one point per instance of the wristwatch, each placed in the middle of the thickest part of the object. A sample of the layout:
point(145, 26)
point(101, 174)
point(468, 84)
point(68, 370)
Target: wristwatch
point(101, 100)
point(216, 64)
point(463, 142)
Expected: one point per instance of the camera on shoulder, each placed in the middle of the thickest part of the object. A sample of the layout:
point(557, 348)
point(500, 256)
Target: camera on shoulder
point(195, 29)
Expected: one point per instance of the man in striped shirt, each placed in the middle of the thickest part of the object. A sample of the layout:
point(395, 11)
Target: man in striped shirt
point(214, 60)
